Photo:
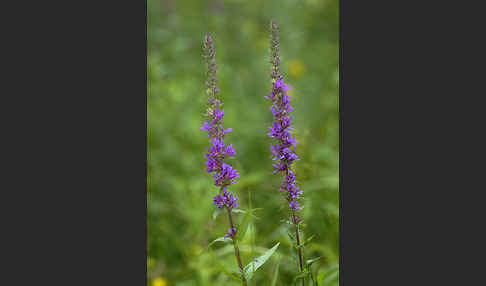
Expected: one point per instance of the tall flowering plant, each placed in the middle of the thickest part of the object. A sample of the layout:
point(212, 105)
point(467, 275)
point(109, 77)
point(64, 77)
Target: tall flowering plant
point(224, 174)
point(284, 149)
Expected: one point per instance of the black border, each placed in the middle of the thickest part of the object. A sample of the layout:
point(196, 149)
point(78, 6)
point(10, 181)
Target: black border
point(76, 144)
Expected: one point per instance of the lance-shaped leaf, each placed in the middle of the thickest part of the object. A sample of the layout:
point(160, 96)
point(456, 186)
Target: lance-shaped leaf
point(309, 262)
point(254, 265)
point(305, 242)
point(223, 239)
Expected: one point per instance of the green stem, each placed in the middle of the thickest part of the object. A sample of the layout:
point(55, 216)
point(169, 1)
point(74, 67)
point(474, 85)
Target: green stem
point(237, 250)
point(297, 238)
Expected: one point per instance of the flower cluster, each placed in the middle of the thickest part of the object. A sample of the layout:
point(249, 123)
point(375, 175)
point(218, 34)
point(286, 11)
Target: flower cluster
point(284, 150)
point(224, 174)
point(226, 200)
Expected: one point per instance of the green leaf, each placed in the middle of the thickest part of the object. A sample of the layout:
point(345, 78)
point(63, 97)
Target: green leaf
point(221, 267)
point(217, 212)
point(223, 239)
point(314, 283)
point(254, 265)
point(287, 222)
point(302, 274)
point(329, 275)
point(244, 212)
point(320, 277)
point(309, 239)
point(240, 234)
point(310, 261)
point(275, 274)
point(291, 236)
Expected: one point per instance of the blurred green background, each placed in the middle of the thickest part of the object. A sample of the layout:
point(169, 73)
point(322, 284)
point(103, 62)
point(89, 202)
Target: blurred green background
point(180, 208)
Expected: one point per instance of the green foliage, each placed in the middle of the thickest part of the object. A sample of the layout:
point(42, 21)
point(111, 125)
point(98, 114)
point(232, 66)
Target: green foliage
point(303, 244)
point(216, 212)
point(254, 265)
point(243, 227)
point(180, 209)
point(302, 275)
point(223, 269)
point(329, 276)
point(275, 274)
point(223, 239)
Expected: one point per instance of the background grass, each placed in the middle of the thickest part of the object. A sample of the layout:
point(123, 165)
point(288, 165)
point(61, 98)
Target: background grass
point(180, 192)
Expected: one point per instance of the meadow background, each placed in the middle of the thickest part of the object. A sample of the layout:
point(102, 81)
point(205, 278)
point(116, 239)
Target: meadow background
point(179, 202)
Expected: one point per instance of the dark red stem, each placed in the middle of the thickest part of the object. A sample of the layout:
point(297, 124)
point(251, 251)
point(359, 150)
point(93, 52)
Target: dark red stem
point(237, 250)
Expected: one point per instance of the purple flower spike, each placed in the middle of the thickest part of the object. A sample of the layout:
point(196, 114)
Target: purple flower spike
point(218, 151)
point(284, 151)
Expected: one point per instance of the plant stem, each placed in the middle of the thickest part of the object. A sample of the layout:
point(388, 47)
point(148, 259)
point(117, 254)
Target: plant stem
point(237, 250)
point(298, 245)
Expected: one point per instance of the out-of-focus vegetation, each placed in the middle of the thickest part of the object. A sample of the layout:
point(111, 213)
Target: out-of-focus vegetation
point(180, 208)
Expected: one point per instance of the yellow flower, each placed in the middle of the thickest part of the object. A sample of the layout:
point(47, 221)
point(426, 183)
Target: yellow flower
point(296, 68)
point(159, 281)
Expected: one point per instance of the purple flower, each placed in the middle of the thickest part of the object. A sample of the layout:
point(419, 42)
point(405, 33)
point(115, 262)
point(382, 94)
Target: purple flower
point(231, 232)
point(294, 205)
point(207, 126)
point(213, 164)
point(218, 114)
point(219, 150)
point(279, 84)
point(281, 167)
point(287, 140)
point(226, 200)
point(275, 149)
point(226, 176)
point(226, 130)
point(290, 177)
point(294, 191)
